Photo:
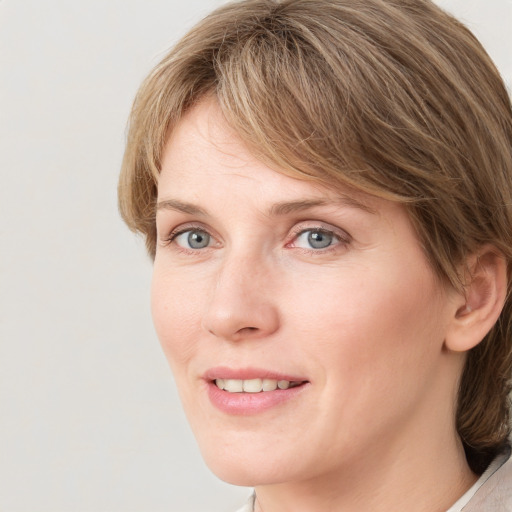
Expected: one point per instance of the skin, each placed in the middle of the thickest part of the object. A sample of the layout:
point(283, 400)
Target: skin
point(364, 320)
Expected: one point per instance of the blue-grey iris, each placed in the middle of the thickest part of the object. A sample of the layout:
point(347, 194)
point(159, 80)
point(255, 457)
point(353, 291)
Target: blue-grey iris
point(319, 239)
point(198, 239)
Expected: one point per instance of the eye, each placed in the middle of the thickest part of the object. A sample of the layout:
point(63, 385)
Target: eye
point(316, 239)
point(192, 239)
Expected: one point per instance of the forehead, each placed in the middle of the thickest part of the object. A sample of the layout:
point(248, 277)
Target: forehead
point(203, 149)
point(200, 135)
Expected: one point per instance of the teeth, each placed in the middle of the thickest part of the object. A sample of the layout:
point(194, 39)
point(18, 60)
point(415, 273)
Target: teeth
point(253, 385)
point(234, 385)
point(269, 384)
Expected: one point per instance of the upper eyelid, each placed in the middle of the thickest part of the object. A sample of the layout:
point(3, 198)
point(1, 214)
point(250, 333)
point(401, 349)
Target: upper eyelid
point(183, 228)
point(301, 227)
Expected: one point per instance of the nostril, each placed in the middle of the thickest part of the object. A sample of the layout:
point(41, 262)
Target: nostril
point(248, 329)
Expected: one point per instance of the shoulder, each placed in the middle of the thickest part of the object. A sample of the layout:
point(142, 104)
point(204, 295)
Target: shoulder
point(495, 494)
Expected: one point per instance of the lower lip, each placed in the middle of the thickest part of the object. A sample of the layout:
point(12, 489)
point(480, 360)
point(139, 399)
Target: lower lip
point(251, 403)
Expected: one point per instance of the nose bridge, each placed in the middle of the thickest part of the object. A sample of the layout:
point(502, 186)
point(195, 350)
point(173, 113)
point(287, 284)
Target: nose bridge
point(241, 303)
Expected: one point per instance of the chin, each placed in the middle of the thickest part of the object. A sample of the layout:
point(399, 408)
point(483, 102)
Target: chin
point(236, 474)
point(247, 468)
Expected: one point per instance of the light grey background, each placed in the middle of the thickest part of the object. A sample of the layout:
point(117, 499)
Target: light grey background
point(89, 417)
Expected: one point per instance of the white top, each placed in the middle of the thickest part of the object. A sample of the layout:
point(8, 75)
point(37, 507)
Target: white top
point(496, 496)
point(496, 464)
point(249, 506)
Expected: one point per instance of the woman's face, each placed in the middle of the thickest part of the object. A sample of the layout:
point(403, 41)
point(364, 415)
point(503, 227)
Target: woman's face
point(262, 280)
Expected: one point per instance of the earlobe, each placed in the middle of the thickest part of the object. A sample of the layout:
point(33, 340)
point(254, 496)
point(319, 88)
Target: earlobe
point(482, 301)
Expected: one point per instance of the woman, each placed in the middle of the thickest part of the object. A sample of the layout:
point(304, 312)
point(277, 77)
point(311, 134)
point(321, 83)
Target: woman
point(325, 188)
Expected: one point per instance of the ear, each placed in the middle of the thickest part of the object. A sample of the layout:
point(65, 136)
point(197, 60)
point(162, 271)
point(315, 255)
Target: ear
point(479, 307)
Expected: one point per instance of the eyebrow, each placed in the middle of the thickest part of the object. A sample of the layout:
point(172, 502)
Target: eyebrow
point(180, 206)
point(288, 207)
point(278, 209)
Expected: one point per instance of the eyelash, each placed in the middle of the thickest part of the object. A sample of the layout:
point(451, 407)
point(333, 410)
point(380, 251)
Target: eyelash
point(174, 234)
point(342, 238)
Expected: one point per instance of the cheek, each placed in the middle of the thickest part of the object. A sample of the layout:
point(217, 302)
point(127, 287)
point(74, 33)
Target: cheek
point(375, 342)
point(371, 321)
point(175, 311)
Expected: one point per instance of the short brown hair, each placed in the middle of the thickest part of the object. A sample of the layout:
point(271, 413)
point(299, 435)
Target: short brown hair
point(392, 97)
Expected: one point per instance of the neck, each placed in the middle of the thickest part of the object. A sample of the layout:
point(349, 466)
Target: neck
point(419, 476)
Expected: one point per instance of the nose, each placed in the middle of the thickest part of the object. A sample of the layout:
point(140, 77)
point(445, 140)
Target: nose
point(242, 304)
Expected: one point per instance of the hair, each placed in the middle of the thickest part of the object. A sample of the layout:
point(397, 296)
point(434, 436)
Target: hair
point(395, 98)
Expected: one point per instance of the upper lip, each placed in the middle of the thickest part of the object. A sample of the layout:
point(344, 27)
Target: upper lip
point(224, 372)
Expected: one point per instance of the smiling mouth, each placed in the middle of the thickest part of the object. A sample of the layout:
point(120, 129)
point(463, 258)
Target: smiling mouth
point(255, 385)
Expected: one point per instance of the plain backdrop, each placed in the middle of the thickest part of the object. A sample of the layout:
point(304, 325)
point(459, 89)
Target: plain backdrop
point(89, 416)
